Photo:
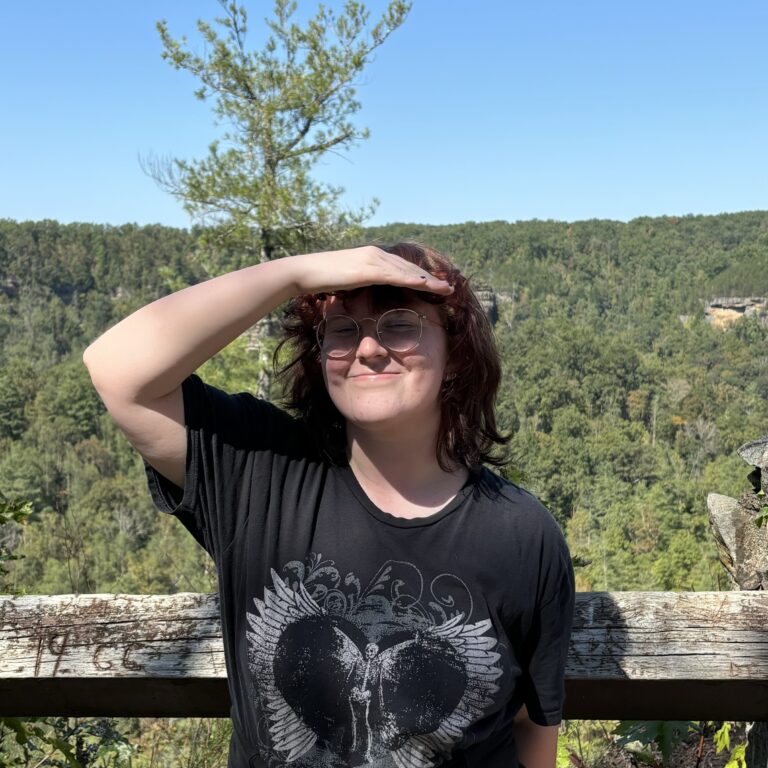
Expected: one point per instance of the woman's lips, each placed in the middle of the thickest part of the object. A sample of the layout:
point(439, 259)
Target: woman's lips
point(374, 376)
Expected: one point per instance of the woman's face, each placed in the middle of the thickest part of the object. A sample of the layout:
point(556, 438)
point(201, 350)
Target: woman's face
point(376, 389)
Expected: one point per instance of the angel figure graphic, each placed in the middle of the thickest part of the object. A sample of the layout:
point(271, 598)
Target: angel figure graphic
point(403, 701)
point(360, 699)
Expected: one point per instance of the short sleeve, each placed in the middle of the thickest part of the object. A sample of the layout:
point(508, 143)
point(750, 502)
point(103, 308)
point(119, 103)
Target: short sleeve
point(547, 646)
point(230, 441)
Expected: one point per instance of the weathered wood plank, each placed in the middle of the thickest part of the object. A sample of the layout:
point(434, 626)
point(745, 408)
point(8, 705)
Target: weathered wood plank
point(670, 636)
point(104, 636)
point(633, 655)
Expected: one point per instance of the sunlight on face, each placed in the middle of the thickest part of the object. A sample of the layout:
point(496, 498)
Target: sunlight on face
point(374, 388)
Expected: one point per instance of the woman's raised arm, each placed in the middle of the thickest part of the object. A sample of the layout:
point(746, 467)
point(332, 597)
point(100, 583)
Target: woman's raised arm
point(137, 366)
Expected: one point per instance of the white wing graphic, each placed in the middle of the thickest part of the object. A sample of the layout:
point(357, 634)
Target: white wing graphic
point(417, 752)
point(474, 649)
point(278, 610)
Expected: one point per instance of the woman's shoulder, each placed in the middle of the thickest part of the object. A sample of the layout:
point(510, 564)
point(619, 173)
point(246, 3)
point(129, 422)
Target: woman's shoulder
point(242, 419)
point(515, 525)
point(498, 489)
point(512, 503)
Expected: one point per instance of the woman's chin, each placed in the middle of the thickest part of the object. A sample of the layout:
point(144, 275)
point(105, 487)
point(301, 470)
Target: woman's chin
point(376, 420)
point(396, 420)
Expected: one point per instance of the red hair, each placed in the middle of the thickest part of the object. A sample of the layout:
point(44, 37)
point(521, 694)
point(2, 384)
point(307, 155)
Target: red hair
point(467, 435)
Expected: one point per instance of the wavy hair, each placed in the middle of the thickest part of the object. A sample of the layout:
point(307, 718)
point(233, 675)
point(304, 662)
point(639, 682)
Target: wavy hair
point(467, 435)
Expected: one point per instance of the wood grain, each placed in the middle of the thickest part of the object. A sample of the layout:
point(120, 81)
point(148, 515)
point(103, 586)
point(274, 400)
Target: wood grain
point(659, 655)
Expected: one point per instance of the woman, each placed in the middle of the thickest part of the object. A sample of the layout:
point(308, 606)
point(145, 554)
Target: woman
point(385, 600)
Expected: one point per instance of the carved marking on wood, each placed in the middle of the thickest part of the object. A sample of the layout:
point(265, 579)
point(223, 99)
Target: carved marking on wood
point(39, 655)
point(97, 662)
point(57, 651)
point(129, 663)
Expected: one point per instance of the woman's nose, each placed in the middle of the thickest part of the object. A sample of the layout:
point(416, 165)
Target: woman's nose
point(369, 344)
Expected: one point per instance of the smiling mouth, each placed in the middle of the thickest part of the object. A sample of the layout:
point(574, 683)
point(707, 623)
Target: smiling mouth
point(381, 375)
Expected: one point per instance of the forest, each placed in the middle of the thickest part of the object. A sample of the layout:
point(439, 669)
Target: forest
point(624, 405)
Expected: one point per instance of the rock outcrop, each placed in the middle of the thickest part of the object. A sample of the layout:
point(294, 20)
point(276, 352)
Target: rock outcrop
point(723, 311)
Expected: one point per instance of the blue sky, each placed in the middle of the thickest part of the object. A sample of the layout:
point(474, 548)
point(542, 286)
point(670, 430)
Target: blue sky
point(478, 110)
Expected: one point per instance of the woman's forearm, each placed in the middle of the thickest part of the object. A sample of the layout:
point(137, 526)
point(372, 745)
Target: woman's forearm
point(536, 745)
point(153, 350)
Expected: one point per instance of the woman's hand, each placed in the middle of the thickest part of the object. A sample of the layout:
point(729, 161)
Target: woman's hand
point(358, 267)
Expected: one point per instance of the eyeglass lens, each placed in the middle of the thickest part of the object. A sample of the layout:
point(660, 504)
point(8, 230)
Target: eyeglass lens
point(399, 330)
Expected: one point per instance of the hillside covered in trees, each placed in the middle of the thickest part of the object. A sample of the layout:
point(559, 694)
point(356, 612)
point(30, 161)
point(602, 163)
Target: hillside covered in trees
point(625, 406)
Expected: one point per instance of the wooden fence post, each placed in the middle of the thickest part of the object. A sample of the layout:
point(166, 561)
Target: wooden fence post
point(743, 552)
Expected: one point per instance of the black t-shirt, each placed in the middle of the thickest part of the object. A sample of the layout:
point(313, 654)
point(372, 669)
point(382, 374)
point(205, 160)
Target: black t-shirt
point(353, 637)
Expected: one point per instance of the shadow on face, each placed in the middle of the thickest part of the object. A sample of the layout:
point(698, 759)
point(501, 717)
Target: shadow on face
point(380, 298)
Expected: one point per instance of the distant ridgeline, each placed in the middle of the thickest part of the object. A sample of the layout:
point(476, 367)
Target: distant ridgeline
point(681, 265)
point(702, 266)
point(648, 265)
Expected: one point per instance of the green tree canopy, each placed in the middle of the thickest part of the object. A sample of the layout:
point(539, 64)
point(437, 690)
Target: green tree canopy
point(284, 106)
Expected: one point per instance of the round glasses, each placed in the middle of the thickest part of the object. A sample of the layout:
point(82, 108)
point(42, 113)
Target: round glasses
point(399, 330)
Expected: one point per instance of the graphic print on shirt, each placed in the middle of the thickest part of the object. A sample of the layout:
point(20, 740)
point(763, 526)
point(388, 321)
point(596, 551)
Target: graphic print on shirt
point(391, 675)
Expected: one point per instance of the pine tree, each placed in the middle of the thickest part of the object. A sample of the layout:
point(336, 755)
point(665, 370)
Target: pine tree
point(284, 106)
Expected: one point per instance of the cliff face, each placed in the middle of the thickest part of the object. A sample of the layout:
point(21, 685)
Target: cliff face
point(721, 312)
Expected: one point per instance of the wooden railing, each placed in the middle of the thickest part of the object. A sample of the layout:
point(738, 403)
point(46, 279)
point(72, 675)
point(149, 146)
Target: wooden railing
point(633, 655)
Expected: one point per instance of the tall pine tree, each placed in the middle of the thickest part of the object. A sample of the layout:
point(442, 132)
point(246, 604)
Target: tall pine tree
point(284, 107)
